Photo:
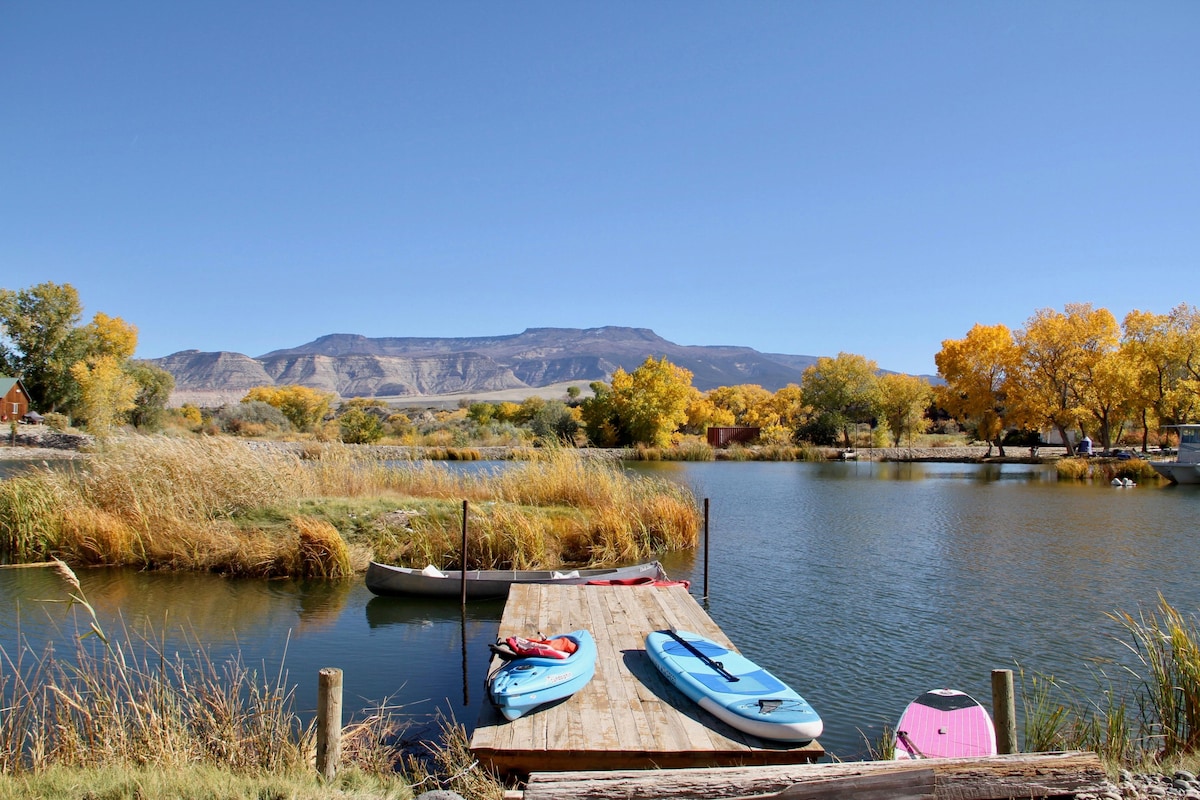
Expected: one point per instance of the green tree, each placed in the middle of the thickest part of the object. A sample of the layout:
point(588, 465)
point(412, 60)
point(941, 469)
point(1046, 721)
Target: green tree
point(154, 391)
point(842, 391)
point(555, 421)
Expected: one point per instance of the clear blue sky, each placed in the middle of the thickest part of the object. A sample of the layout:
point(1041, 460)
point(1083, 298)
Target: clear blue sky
point(797, 177)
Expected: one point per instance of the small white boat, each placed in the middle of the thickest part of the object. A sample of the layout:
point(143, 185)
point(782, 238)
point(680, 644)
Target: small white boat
point(1186, 466)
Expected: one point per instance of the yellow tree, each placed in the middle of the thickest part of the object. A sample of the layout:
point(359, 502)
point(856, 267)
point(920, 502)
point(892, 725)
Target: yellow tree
point(111, 336)
point(107, 392)
point(1058, 351)
point(749, 403)
point(645, 406)
point(303, 407)
point(903, 401)
point(1109, 395)
point(1185, 327)
point(702, 414)
point(974, 369)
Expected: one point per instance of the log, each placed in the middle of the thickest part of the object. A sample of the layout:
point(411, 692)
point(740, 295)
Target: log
point(916, 784)
point(1021, 775)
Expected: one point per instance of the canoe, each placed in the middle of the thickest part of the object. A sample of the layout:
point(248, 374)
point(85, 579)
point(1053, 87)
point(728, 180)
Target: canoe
point(524, 683)
point(390, 581)
point(732, 688)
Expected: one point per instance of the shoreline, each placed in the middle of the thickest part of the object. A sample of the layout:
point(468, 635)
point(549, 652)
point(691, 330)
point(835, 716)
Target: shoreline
point(52, 445)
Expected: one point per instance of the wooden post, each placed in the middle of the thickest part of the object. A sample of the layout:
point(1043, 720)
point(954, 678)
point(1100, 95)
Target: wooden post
point(329, 721)
point(1004, 707)
point(706, 548)
point(463, 558)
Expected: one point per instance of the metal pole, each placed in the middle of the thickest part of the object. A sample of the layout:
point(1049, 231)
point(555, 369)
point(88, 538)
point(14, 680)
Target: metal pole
point(706, 548)
point(463, 566)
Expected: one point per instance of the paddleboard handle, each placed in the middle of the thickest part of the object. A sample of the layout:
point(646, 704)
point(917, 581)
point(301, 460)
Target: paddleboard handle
point(716, 665)
point(912, 748)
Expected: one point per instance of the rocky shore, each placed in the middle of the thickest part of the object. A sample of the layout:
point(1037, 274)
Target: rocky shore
point(1145, 787)
point(36, 442)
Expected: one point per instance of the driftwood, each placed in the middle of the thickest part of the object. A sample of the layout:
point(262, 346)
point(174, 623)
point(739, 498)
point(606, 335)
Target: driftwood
point(1030, 775)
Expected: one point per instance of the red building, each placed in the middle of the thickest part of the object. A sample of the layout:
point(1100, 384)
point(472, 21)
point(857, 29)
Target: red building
point(723, 437)
point(16, 400)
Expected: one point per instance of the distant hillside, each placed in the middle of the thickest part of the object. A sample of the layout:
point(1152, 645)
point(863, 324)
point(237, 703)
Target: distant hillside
point(395, 368)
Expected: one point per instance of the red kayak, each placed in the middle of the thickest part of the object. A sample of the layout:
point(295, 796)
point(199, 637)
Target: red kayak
point(642, 581)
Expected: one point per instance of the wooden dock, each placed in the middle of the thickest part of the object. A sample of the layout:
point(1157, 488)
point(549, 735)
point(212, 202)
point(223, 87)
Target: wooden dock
point(628, 716)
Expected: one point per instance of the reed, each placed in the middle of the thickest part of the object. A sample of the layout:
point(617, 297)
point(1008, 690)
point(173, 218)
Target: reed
point(322, 511)
point(1072, 469)
point(452, 767)
point(129, 704)
point(1167, 648)
point(1046, 719)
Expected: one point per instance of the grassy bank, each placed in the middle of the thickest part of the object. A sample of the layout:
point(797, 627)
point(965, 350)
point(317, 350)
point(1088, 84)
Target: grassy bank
point(218, 505)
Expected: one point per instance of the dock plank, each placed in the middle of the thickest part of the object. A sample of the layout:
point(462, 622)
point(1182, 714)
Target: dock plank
point(628, 716)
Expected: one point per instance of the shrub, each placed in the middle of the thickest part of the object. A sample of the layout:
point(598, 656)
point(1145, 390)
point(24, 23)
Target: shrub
point(255, 415)
point(360, 427)
point(1073, 469)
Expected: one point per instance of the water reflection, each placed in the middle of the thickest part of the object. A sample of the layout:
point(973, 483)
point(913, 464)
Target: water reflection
point(862, 585)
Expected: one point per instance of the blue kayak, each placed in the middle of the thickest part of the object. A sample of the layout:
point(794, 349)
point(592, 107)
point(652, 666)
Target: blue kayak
point(732, 688)
point(527, 682)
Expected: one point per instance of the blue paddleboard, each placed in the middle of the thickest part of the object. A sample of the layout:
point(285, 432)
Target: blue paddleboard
point(732, 688)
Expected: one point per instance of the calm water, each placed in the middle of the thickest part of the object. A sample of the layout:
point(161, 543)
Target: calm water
point(862, 585)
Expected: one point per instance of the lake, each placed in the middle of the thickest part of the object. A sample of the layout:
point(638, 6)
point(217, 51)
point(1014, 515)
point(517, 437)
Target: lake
point(860, 584)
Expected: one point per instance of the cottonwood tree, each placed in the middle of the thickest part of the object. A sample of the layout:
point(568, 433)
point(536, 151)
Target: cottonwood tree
point(107, 392)
point(842, 392)
point(749, 403)
point(975, 369)
point(1164, 353)
point(702, 414)
point(646, 406)
point(41, 340)
point(1058, 352)
point(903, 401)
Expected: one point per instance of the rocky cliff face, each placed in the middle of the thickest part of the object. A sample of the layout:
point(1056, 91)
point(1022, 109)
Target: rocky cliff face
point(395, 368)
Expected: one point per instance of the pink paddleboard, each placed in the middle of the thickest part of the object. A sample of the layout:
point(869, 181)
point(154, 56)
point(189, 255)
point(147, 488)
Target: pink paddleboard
point(945, 723)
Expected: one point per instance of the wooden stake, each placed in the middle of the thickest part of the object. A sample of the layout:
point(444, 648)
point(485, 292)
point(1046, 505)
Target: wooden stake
point(1004, 708)
point(329, 721)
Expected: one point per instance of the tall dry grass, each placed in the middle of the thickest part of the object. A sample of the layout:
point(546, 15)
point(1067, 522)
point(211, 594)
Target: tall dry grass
point(216, 504)
point(125, 703)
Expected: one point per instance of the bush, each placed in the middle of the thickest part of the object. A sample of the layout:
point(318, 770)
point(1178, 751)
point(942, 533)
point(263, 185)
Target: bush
point(56, 421)
point(252, 418)
point(360, 427)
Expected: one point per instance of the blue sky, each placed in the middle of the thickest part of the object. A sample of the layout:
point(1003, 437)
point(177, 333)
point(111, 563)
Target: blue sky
point(796, 177)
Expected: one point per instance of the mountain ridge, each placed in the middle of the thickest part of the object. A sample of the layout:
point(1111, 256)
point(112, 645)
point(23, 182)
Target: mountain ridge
point(353, 365)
